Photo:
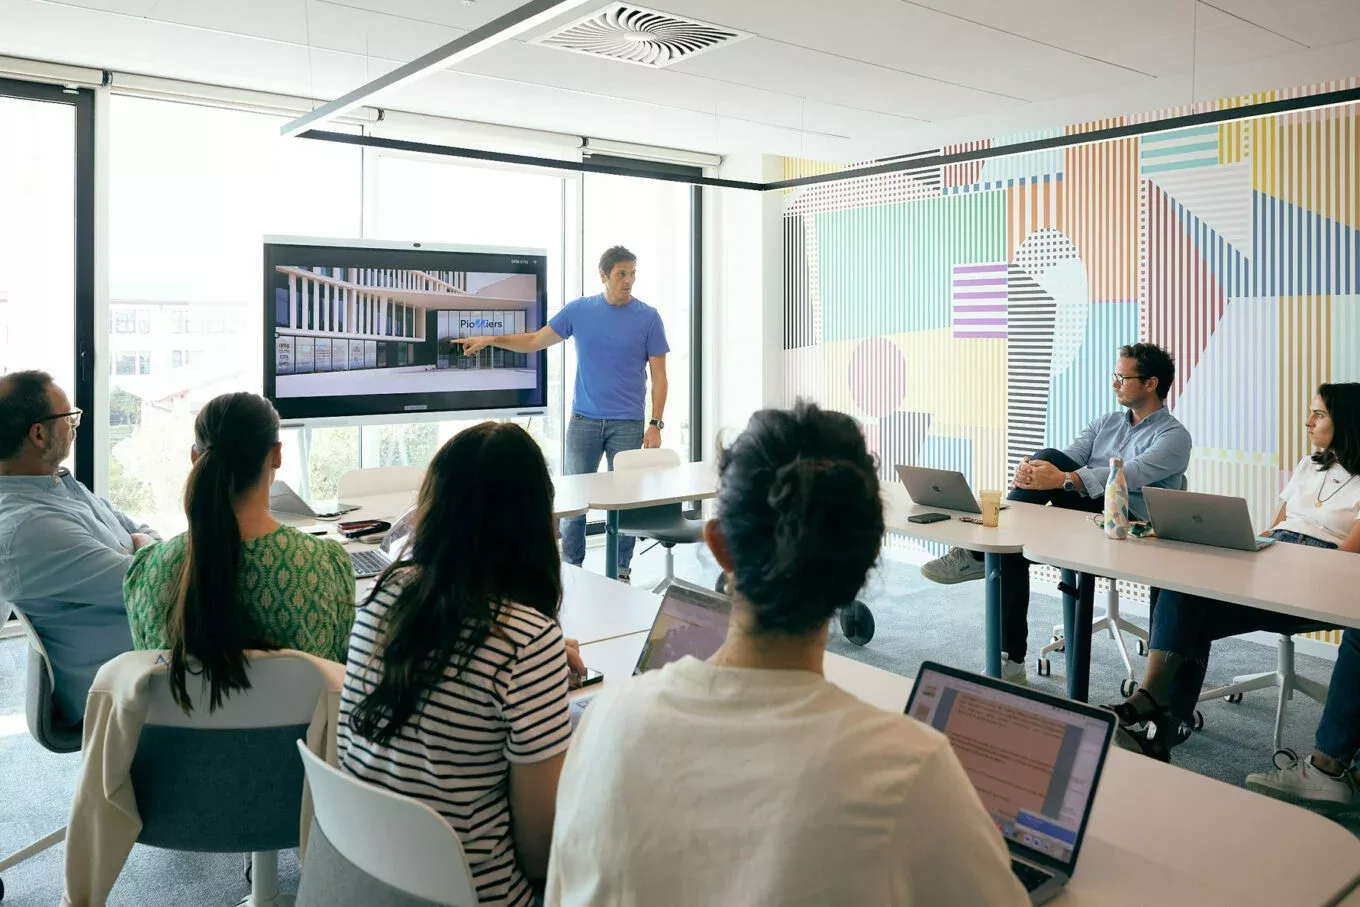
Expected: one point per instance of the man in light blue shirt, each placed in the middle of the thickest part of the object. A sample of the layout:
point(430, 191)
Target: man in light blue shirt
point(618, 340)
point(1154, 446)
point(63, 551)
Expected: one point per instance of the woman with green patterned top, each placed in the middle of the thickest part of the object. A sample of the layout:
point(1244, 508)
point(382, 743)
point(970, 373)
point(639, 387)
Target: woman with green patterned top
point(237, 579)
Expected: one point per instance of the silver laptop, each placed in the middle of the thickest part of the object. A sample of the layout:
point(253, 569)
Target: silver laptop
point(1205, 519)
point(1035, 760)
point(943, 488)
point(375, 560)
point(283, 499)
point(691, 621)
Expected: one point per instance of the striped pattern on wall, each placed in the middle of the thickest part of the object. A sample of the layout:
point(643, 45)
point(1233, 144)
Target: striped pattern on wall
point(965, 173)
point(1236, 246)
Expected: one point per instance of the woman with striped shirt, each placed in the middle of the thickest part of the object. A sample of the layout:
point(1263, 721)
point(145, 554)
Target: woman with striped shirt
point(456, 684)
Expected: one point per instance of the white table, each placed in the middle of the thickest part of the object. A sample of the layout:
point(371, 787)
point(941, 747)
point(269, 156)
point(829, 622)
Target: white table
point(630, 489)
point(1015, 526)
point(1157, 833)
point(1313, 584)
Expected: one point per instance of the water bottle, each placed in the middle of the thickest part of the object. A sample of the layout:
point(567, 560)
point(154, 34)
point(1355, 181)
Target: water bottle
point(1117, 501)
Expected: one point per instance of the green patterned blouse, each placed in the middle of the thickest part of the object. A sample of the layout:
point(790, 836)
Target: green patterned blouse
point(298, 589)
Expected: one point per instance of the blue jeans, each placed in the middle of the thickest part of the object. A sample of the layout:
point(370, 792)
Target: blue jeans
point(1338, 734)
point(1188, 625)
point(1014, 567)
point(587, 441)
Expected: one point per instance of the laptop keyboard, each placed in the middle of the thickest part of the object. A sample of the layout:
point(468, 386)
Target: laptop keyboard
point(367, 563)
point(1030, 877)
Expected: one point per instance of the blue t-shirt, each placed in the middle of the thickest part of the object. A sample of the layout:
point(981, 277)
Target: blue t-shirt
point(613, 344)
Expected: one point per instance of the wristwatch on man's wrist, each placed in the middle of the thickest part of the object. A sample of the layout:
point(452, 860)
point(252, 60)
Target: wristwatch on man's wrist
point(657, 423)
point(1068, 484)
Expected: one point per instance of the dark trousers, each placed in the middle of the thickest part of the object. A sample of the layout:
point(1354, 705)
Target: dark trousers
point(1188, 625)
point(1014, 567)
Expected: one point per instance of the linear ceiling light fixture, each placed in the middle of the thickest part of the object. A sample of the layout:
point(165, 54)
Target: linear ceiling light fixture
point(901, 164)
point(514, 23)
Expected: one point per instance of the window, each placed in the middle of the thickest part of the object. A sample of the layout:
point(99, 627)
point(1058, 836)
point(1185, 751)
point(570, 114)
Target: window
point(653, 219)
point(176, 359)
point(143, 321)
point(125, 364)
point(144, 363)
point(229, 175)
point(46, 246)
point(125, 322)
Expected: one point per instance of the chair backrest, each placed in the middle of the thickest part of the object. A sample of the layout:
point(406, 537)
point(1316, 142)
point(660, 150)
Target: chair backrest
point(396, 841)
point(45, 721)
point(358, 483)
point(646, 458)
point(226, 781)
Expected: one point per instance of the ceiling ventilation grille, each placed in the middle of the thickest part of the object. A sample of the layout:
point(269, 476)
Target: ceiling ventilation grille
point(632, 34)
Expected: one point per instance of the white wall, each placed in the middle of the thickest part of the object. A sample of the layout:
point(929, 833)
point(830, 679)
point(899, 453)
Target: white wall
point(743, 292)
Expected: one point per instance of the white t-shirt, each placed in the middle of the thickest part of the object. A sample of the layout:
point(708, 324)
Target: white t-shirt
point(699, 784)
point(509, 704)
point(1339, 494)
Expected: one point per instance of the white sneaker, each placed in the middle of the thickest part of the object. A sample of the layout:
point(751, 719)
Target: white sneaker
point(1300, 782)
point(958, 566)
point(1013, 671)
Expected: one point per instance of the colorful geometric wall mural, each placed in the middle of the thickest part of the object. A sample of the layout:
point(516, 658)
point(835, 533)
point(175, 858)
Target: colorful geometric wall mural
point(993, 295)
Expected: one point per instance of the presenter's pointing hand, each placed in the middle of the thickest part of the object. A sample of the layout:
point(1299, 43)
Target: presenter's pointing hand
point(473, 345)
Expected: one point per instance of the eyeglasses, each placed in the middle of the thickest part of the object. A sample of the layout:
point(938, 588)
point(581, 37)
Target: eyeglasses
point(73, 415)
point(1120, 379)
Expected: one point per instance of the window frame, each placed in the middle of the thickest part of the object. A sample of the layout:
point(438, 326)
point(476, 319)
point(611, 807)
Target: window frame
point(83, 244)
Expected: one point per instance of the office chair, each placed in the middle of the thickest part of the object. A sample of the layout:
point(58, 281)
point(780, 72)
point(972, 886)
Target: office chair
point(665, 524)
point(53, 733)
point(370, 846)
point(229, 781)
point(1116, 625)
point(1283, 677)
point(359, 483)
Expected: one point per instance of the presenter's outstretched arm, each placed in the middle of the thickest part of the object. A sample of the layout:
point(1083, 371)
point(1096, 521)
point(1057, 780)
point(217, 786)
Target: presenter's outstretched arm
point(660, 388)
point(540, 339)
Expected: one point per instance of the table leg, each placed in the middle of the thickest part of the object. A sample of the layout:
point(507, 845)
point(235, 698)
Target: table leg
point(1079, 640)
point(991, 571)
point(1068, 588)
point(611, 544)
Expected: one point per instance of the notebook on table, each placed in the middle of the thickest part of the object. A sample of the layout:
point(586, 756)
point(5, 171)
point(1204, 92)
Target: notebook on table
point(1034, 759)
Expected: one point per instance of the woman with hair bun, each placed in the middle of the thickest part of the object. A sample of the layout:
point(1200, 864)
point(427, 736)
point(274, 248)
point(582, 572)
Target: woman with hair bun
point(749, 778)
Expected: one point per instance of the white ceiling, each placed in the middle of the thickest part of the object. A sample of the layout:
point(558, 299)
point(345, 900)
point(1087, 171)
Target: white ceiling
point(843, 81)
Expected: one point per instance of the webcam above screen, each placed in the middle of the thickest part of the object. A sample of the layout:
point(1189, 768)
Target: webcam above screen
point(360, 328)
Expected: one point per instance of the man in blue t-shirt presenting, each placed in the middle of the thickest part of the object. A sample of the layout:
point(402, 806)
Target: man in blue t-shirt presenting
point(617, 339)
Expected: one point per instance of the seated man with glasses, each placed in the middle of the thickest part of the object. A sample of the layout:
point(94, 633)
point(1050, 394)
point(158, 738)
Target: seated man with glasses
point(63, 551)
point(1155, 448)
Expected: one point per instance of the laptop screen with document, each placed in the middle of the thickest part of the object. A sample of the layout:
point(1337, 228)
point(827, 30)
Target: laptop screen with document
point(1034, 759)
point(690, 622)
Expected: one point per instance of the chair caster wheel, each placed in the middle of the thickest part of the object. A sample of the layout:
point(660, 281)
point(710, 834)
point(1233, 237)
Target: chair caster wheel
point(1198, 723)
point(857, 623)
point(1060, 643)
point(1127, 687)
point(2, 889)
point(1290, 757)
point(1142, 647)
point(1234, 698)
point(721, 584)
point(1044, 667)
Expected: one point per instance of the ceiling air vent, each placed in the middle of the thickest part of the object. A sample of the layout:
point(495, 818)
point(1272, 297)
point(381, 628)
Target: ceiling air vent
point(642, 36)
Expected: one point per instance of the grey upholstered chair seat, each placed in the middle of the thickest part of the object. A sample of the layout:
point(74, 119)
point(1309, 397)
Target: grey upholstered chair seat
point(329, 879)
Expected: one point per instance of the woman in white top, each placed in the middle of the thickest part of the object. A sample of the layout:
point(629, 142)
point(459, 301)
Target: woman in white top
point(1320, 507)
point(749, 779)
point(456, 684)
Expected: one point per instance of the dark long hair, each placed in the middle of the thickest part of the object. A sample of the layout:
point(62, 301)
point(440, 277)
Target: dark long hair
point(233, 436)
point(484, 539)
point(1343, 406)
point(799, 506)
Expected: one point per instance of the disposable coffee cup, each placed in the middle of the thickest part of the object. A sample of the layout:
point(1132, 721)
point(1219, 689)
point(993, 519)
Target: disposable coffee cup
point(991, 507)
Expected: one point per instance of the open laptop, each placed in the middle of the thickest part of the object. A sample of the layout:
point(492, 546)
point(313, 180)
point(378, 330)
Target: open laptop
point(283, 499)
point(373, 561)
point(1204, 519)
point(691, 621)
point(943, 488)
point(1034, 759)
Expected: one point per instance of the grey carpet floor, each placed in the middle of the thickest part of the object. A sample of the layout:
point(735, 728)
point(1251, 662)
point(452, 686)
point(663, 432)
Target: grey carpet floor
point(916, 620)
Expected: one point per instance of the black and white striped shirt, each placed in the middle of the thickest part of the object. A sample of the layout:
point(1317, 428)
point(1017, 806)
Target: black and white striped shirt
point(509, 704)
